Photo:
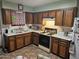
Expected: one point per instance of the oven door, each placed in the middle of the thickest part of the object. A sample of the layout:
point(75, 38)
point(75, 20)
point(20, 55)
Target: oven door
point(44, 41)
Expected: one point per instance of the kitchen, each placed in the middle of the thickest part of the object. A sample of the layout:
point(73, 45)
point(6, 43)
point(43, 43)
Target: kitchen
point(45, 25)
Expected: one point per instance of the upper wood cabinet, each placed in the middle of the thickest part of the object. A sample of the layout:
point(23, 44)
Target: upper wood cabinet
point(68, 17)
point(65, 17)
point(59, 18)
point(6, 16)
point(45, 14)
point(35, 18)
point(52, 13)
point(29, 18)
point(40, 18)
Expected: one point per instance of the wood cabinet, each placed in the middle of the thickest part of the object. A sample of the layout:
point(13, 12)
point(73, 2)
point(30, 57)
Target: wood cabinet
point(40, 18)
point(35, 37)
point(27, 39)
point(52, 13)
point(65, 17)
point(59, 18)
point(64, 48)
point(54, 45)
point(29, 18)
point(6, 16)
point(60, 47)
point(19, 41)
point(35, 18)
point(45, 14)
point(68, 17)
point(11, 43)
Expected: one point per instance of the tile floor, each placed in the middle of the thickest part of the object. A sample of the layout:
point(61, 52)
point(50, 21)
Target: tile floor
point(29, 52)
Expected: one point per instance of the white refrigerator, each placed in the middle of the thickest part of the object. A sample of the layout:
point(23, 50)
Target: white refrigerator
point(75, 39)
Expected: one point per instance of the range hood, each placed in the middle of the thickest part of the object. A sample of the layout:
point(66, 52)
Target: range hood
point(49, 17)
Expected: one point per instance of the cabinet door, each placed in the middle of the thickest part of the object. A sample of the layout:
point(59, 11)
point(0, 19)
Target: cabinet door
point(11, 43)
point(29, 18)
point(19, 41)
point(64, 49)
point(6, 14)
point(28, 39)
point(68, 17)
point(59, 18)
point(40, 18)
point(54, 46)
point(45, 14)
point(52, 13)
point(35, 38)
point(35, 20)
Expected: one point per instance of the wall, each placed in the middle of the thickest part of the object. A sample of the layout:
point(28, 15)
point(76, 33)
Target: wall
point(57, 5)
point(0, 23)
point(51, 24)
point(14, 6)
point(51, 6)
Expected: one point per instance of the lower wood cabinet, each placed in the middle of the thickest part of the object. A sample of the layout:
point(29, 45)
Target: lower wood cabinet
point(19, 41)
point(27, 39)
point(35, 38)
point(11, 43)
point(15, 42)
point(60, 47)
point(54, 46)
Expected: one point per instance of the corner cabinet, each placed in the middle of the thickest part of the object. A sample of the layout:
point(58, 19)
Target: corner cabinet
point(60, 47)
point(29, 18)
point(35, 37)
point(6, 16)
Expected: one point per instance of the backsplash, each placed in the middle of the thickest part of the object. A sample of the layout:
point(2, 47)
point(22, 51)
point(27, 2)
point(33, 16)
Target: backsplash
point(59, 28)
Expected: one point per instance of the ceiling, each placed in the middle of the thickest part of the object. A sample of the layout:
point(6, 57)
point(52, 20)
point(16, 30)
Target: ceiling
point(33, 3)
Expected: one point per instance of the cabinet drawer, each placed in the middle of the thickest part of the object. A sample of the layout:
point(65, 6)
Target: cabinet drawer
point(11, 38)
point(63, 42)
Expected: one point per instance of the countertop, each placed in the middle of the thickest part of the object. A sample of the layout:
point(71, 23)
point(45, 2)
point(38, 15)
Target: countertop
point(58, 35)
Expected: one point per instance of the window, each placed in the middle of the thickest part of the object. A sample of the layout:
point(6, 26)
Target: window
point(18, 18)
